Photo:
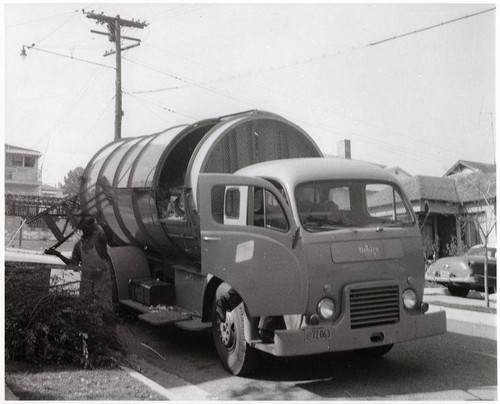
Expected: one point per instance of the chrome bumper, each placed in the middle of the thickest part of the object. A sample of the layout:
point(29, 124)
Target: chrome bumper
point(469, 280)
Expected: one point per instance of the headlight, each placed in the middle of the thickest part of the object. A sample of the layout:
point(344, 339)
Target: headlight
point(326, 308)
point(409, 299)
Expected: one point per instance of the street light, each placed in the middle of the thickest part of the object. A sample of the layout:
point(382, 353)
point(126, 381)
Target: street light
point(23, 52)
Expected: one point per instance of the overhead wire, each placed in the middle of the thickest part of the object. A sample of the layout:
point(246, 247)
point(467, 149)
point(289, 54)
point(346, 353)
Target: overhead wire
point(40, 19)
point(205, 84)
point(177, 77)
point(180, 12)
point(407, 152)
point(70, 57)
point(388, 145)
point(141, 102)
point(85, 137)
point(162, 106)
point(69, 107)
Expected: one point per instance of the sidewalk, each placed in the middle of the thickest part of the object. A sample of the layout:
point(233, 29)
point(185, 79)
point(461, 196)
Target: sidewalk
point(473, 295)
point(465, 318)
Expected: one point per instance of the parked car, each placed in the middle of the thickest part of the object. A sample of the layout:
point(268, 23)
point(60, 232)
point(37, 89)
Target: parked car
point(461, 274)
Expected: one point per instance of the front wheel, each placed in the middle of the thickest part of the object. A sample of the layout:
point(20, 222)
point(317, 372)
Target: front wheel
point(228, 329)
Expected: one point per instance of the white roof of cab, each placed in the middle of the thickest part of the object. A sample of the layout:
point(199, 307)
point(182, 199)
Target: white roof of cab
point(292, 172)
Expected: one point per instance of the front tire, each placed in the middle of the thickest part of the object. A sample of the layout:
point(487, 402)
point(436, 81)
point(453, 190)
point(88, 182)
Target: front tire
point(228, 330)
point(458, 291)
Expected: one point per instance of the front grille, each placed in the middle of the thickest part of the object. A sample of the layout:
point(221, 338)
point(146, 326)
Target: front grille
point(374, 306)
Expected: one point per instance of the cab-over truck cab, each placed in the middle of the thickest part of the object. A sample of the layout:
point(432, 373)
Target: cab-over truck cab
point(326, 251)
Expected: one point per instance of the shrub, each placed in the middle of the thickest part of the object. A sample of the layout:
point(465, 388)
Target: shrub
point(51, 324)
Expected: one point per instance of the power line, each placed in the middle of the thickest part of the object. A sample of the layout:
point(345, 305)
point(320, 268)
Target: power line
point(70, 107)
point(163, 107)
point(202, 86)
point(41, 19)
point(178, 12)
point(431, 27)
point(409, 152)
point(342, 52)
point(67, 56)
point(141, 102)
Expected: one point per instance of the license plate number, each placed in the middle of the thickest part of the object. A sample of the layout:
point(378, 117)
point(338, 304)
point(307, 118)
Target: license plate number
point(316, 334)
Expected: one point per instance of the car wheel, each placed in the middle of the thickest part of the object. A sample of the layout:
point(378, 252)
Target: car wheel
point(228, 330)
point(376, 350)
point(458, 291)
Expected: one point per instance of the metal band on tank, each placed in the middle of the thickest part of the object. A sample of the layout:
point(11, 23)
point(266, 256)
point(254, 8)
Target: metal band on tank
point(98, 201)
point(84, 187)
point(116, 180)
point(137, 159)
point(136, 210)
point(211, 140)
point(201, 151)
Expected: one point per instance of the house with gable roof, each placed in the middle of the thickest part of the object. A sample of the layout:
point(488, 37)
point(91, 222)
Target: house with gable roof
point(462, 205)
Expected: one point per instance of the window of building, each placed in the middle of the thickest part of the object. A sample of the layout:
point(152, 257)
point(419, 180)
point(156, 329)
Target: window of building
point(29, 162)
point(17, 161)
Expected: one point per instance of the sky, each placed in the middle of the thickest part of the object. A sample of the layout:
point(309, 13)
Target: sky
point(420, 101)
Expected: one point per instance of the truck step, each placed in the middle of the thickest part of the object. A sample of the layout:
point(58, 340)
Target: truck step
point(172, 314)
point(158, 315)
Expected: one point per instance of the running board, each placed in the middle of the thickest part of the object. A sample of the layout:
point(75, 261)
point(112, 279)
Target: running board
point(159, 315)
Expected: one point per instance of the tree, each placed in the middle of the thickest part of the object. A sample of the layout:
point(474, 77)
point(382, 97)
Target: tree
point(482, 212)
point(72, 181)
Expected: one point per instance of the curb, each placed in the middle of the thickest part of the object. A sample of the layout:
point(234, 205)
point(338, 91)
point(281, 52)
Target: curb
point(179, 389)
point(442, 291)
point(484, 319)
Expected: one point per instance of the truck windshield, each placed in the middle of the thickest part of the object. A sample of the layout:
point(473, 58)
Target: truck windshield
point(333, 205)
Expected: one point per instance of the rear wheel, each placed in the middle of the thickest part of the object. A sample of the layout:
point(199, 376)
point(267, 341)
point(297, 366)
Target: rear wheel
point(228, 329)
point(458, 291)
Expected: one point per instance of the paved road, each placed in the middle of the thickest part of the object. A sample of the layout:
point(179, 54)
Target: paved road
point(448, 367)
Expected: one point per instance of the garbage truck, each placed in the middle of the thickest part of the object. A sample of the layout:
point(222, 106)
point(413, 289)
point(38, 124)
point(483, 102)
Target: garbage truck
point(239, 223)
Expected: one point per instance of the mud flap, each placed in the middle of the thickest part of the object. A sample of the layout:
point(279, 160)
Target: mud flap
point(128, 263)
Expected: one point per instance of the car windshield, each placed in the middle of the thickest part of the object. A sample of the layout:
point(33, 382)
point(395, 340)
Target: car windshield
point(333, 205)
point(479, 250)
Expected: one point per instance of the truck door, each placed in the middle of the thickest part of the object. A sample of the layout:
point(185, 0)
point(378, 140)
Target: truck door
point(247, 240)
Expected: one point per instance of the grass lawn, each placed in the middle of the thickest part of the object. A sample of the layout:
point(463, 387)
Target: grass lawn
point(63, 382)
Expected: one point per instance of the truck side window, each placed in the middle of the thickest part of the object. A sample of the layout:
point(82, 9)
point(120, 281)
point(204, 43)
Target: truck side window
point(232, 205)
point(267, 211)
point(218, 203)
point(280, 188)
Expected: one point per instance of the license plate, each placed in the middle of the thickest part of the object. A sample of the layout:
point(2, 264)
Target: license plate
point(317, 334)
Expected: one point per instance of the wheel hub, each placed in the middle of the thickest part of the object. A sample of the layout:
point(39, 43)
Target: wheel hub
point(227, 330)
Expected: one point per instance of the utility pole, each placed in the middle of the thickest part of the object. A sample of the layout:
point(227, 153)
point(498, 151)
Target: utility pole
point(114, 25)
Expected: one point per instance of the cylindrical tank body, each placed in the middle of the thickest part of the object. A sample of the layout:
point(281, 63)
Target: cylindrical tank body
point(143, 190)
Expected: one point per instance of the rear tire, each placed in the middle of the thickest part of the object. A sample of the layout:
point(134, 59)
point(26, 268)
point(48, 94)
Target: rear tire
point(228, 330)
point(458, 291)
